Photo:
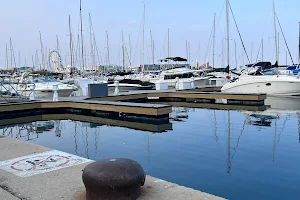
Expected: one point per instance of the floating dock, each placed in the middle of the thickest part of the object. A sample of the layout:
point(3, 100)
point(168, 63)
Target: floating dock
point(105, 106)
point(150, 103)
point(256, 99)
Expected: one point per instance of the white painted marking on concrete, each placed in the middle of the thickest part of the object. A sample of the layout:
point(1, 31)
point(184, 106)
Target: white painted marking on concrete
point(41, 163)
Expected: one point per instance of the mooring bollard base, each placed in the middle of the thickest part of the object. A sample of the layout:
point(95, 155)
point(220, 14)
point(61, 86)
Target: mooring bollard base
point(113, 179)
point(131, 193)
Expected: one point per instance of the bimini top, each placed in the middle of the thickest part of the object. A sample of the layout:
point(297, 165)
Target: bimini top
point(263, 65)
point(176, 59)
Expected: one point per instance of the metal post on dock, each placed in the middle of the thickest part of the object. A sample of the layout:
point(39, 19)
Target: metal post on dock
point(55, 93)
point(117, 91)
point(177, 83)
point(193, 83)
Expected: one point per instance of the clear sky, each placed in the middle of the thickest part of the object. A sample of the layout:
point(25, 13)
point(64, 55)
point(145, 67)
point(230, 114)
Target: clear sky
point(190, 20)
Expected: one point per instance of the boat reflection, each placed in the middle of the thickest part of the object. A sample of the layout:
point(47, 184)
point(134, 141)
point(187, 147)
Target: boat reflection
point(227, 127)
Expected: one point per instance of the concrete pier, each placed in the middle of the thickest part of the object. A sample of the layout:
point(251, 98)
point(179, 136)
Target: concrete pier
point(66, 183)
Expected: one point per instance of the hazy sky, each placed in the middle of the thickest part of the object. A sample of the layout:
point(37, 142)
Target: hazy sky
point(190, 20)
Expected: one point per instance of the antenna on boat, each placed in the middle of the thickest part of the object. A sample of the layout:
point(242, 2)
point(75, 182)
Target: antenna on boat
point(82, 54)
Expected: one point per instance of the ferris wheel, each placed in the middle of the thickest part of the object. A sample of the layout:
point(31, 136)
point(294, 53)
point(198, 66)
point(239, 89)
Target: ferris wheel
point(54, 60)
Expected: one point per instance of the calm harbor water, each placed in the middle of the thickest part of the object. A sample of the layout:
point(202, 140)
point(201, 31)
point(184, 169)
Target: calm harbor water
point(232, 154)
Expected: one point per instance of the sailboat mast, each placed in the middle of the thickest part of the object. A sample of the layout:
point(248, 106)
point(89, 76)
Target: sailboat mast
point(129, 47)
point(187, 51)
point(143, 45)
point(6, 57)
point(214, 38)
point(19, 59)
point(168, 42)
point(262, 50)
point(153, 53)
point(189, 54)
point(71, 46)
point(42, 50)
point(107, 43)
point(32, 61)
point(299, 47)
point(92, 42)
point(123, 52)
point(251, 52)
point(82, 48)
point(235, 54)
point(13, 59)
point(57, 44)
point(278, 47)
point(152, 48)
point(275, 31)
point(227, 23)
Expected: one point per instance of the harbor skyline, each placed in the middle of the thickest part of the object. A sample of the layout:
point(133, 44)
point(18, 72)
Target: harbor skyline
point(191, 21)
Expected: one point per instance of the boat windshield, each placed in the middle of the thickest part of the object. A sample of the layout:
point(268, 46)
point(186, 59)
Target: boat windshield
point(270, 72)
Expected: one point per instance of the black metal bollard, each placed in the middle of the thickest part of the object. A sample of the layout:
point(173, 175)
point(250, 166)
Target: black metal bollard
point(113, 179)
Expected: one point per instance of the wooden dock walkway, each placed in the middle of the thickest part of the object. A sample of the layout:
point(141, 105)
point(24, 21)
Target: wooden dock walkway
point(235, 98)
point(106, 106)
point(128, 102)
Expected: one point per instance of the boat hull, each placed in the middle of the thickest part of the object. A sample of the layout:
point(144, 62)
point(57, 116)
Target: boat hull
point(271, 85)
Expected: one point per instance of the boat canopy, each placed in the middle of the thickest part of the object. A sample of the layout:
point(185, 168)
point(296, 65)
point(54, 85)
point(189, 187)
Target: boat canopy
point(261, 64)
point(176, 59)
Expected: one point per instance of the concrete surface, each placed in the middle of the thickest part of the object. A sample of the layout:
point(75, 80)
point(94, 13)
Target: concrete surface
point(67, 183)
point(4, 195)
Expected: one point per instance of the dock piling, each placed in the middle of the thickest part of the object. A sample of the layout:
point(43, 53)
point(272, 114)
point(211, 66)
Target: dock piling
point(117, 91)
point(55, 93)
point(32, 94)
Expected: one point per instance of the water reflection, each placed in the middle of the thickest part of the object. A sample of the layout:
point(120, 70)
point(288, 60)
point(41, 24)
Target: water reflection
point(217, 151)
